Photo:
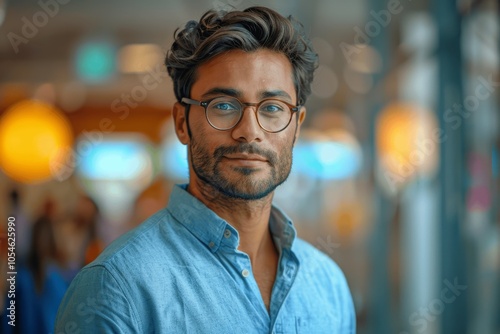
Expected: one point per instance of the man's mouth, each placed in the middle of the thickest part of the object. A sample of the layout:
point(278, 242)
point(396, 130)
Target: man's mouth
point(243, 156)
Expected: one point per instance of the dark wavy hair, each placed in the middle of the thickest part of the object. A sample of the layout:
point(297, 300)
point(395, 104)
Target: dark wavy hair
point(248, 30)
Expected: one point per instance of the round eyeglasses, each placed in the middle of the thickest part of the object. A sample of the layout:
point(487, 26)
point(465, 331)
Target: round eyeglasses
point(224, 112)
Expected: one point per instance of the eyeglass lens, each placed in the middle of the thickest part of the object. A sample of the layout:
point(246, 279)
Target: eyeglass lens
point(225, 112)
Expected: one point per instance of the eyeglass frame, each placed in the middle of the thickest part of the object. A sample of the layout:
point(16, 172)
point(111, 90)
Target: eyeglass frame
point(205, 103)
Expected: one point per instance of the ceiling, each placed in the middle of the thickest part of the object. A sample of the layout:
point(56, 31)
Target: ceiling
point(47, 55)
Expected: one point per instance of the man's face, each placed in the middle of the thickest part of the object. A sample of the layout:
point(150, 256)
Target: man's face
point(244, 162)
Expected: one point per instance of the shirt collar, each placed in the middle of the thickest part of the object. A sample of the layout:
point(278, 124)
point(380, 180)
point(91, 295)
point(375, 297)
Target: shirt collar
point(209, 228)
point(282, 229)
point(202, 222)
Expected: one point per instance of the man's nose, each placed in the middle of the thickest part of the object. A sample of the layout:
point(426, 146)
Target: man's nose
point(248, 128)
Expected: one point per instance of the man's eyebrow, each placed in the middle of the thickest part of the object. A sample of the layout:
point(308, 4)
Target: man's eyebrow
point(223, 91)
point(217, 91)
point(275, 93)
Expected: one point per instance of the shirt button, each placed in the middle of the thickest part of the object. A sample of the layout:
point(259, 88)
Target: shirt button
point(245, 273)
point(227, 234)
point(211, 244)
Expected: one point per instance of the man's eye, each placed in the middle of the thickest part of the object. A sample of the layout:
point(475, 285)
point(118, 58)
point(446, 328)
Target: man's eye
point(224, 106)
point(271, 108)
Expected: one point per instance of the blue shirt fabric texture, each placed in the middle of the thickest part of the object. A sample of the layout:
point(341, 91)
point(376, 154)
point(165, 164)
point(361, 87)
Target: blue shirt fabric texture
point(181, 272)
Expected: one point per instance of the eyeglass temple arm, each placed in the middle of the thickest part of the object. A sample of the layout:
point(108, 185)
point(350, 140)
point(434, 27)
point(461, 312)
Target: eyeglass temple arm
point(190, 101)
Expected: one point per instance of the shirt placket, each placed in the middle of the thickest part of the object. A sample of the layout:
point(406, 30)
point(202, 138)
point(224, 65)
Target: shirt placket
point(287, 271)
point(241, 264)
point(244, 265)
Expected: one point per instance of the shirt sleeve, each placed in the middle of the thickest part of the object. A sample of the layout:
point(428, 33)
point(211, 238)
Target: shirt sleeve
point(348, 319)
point(96, 302)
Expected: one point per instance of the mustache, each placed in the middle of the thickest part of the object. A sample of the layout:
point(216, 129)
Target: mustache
point(245, 148)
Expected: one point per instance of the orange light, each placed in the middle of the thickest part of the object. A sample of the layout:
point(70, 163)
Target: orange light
point(407, 141)
point(35, 140)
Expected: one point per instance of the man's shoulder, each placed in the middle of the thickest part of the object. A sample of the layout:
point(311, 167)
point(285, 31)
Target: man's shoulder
point(314, 260)
point(323, 286)
point(135, 243)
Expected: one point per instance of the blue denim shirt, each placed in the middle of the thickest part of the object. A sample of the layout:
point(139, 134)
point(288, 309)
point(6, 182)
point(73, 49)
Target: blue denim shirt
point(181, 272)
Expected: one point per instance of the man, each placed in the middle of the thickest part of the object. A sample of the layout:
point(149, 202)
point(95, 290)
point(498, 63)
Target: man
point(220, 258)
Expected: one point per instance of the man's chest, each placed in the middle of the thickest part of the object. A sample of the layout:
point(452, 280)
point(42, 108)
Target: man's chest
point(215, 302)
point(265, 282)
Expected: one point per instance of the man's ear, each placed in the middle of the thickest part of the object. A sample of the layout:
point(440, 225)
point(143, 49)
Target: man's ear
point(301, 116)
point(180, 123)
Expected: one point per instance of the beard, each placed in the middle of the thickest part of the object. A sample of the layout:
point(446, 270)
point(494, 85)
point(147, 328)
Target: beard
point(244, 186)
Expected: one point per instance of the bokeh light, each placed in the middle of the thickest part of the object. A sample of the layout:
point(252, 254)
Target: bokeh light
point(95, 61)
point(115, 160)
point(114, 171)
point(138, 58)
point(72, 96)
point(360, 83)
point(173, 154)
point(366, 59)
point(407, 141)
point(35, 139)
point(333, 155)
point(46, 92)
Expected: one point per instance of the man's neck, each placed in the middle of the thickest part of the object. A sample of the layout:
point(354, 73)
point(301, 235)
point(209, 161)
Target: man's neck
point(251, 220)
point(249, 217)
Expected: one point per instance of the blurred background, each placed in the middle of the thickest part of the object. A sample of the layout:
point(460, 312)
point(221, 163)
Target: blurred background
point(396, 174)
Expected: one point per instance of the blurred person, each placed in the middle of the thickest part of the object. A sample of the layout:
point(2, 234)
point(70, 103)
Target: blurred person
point(40, 283)
point(23, 225)
point(220, 258)
point(150, 201)
point(88, 215)
point(77, 236)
